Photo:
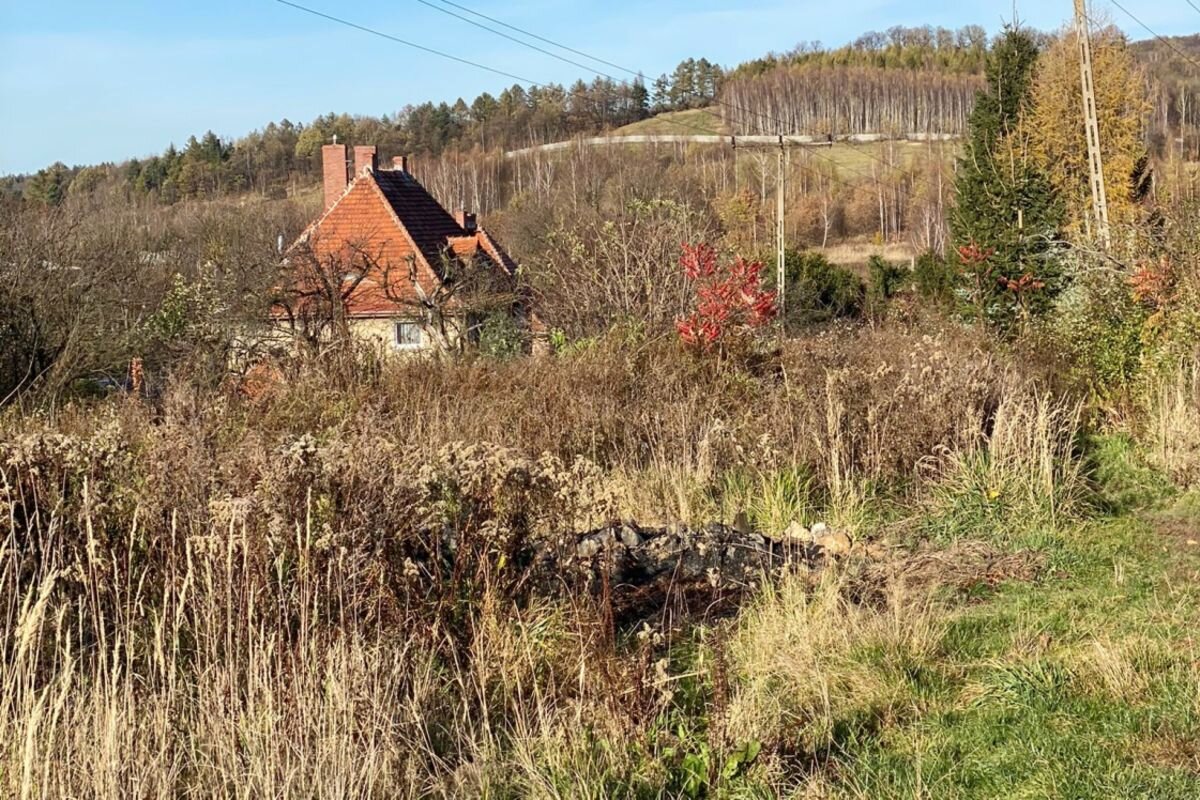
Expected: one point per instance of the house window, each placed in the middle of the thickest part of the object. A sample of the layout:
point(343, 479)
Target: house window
point(407, 335)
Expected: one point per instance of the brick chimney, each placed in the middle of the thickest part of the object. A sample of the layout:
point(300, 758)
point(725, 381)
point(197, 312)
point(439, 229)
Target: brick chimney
point(400, 163)
point(365, 155)
point(465, 220)
point(333, 157)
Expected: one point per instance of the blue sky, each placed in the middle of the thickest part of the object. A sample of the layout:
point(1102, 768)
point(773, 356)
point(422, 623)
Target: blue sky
point(84, 81)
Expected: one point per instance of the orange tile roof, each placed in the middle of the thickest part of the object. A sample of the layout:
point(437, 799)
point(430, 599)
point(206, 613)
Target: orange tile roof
point(391, 218)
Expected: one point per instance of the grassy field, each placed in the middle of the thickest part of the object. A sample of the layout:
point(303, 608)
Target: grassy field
point(1061, 670)
point(872, 158)
point(1009, 656)
point(214, 596)
point(855, 254)
point(697, 121)
point(1078, 681)
point(866, 158)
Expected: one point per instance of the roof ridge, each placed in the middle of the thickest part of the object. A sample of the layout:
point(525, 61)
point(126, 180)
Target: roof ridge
point(427, 222)
point(497, 253)
point(420, 254)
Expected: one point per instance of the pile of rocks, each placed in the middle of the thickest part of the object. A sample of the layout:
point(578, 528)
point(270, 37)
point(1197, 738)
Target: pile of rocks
point(830, 542)
point(641, 569)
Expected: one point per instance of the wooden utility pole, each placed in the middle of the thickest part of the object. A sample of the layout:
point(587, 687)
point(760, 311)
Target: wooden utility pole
point(784, 160)
point(1091, 123)
point(780, 253)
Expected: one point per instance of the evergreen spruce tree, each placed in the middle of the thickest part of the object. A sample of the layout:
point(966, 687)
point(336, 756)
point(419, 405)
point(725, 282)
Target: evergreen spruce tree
point(1006, 220)
point(639, 98)
point(661, 97)
point(49, 186)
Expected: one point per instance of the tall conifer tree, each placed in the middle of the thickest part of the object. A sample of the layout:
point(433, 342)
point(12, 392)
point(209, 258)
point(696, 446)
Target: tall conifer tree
point(1006, 218)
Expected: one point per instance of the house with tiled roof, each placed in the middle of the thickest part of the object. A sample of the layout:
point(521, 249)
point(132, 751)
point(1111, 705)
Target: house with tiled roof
point(392, 265)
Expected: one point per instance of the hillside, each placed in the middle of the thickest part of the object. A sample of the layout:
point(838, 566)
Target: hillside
point(1175, 90)
point(698, 121)
point(901, 82)
point(1166, 58)
point(905, 80)
point(270, 161)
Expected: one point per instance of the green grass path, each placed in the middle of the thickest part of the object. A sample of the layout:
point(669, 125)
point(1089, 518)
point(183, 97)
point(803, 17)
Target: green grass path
point(1082, 684)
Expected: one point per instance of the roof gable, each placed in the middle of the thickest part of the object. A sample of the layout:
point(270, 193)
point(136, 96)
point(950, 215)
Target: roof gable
point(390, 215)
point(496, 252)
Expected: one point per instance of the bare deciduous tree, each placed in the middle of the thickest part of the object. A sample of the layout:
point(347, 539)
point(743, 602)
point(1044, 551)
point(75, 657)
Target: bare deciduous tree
point(599, 271)
point(317, 287)
point(467, 289)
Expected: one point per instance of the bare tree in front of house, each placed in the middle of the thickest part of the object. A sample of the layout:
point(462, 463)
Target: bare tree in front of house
point(318, 287)
point(469, 290)
point(602, 269)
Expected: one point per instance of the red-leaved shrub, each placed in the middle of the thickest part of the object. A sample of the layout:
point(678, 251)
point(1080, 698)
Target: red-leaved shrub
point(730, 300)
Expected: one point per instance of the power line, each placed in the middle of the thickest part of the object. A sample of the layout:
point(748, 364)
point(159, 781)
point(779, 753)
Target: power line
point(886, 163)
point(745, 111)
point(533, 35)
point(564, 47)
point(1153, 33)
point(407, 43)
point(1129, 14)
point(843, 168)
point(423, 48)
point(539, 84)
point(511, 38)
point(610, 77)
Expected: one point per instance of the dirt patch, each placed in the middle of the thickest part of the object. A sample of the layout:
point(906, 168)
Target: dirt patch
point(1179, 534)
point(1178, 530)
point(963, 567)
point(1171, 752)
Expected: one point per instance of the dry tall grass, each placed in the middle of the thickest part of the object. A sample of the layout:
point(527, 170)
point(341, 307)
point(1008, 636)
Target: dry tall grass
point(1173, 423)
point(227, 680)
point(221, 597)
point(809, 665)
point(1023, 469)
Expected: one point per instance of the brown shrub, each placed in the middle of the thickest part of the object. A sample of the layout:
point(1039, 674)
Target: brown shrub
point(876, 402)
point(330, 569)
point(351, 477)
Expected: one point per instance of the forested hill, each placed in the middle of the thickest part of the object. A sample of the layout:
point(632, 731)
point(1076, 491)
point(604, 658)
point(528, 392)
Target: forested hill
point(961, 51)
point(925, 79)
point(1175, 89)
point(901, 80)
point(277, 157)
